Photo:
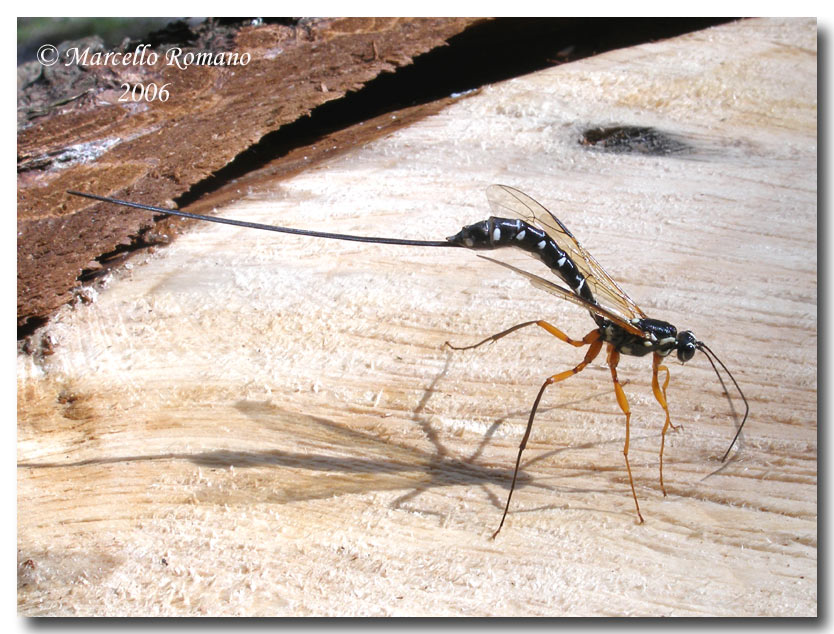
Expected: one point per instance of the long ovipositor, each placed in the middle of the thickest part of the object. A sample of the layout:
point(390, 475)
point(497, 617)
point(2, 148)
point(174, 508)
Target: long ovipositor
point(488, 234)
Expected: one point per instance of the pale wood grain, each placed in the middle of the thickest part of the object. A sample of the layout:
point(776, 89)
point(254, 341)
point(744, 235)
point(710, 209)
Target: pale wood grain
point(252, 424)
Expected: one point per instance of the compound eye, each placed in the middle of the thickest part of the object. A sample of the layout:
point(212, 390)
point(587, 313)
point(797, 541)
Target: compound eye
point(686, 352)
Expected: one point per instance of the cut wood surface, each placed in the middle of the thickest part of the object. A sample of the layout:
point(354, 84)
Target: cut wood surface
point(252, 424)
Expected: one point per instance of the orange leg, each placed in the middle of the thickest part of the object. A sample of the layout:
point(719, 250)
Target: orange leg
point(593, 339)
point(553, 330)
point(660, 395)
point(613, 360)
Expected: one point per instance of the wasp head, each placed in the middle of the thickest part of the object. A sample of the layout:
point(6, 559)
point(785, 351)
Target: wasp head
point(686, 344)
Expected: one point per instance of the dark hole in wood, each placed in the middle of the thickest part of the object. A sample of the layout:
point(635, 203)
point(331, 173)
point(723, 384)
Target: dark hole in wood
point(633, 140)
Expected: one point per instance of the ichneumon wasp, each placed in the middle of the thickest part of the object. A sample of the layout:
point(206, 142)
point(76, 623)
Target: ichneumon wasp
point(620, 324)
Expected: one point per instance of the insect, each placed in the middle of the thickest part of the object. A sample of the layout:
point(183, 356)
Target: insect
point(620, 325)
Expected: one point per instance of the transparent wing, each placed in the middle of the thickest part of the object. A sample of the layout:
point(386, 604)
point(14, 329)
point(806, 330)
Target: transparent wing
point(506, 200)
point(555, 289)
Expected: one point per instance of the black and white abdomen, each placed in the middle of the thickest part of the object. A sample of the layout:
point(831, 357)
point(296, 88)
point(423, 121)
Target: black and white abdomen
point(495, 233)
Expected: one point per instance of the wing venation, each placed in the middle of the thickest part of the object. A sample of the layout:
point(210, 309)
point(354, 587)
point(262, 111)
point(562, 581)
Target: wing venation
point(506, 200)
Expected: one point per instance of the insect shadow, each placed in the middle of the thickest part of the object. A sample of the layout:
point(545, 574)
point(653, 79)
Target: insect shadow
point(373, 463)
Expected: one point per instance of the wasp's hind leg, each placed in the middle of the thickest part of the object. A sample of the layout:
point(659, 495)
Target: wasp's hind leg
point(660, 395)
point(593, 339)
point(613, 360)
point(553, 330)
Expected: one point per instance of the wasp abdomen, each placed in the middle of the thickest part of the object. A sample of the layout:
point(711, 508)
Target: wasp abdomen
point(495, 233)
